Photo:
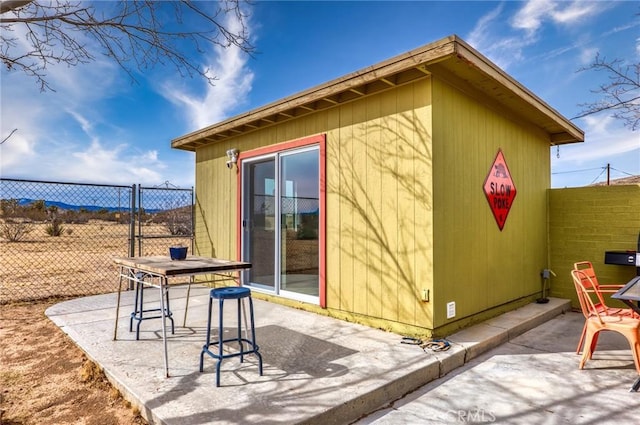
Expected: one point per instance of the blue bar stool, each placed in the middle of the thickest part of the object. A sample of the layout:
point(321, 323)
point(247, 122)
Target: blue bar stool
point(139, 311)
point(230, 293)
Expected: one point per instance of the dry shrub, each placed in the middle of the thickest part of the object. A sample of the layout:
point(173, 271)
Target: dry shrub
point(15, 230)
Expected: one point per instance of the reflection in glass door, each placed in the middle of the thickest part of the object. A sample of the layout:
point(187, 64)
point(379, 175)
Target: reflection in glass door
point(259, 222)
point(280, 219)
point(299, 219)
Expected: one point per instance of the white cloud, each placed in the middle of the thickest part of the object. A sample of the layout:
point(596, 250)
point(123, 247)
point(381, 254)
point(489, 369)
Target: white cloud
point(530, 17)
point(59, 137)
point(587, 55)
point(61, 133)
point(575, 11)
point(21, 112)
point(533, 14)
point(85, 123)
point(230, 91)
point(606, 142)
point(605, 138)
point(505, 45)
point(481, 31)
point(14, 150)
point(481, 35)
point(116, 165)
point(488, 38)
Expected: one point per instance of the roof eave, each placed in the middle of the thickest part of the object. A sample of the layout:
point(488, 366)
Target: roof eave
point(383, 76)
point(386, 75)
point(566, 131)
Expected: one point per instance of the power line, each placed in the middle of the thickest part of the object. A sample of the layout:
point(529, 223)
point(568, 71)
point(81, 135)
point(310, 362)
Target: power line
point(598, 176)
point(578, 171)
point(593, 169)
point(623, 172)
point(608, 169)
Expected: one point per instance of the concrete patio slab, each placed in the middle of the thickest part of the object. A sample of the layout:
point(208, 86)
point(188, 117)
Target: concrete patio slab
point(531, 379)
point(316, 369)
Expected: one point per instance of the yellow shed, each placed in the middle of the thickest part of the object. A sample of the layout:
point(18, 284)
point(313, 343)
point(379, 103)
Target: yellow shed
point(410, 195)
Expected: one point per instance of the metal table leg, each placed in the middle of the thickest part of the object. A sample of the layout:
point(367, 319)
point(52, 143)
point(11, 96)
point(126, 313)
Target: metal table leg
point(186, 307)
point(164, 286)
point(115, 330)
point(636, 386)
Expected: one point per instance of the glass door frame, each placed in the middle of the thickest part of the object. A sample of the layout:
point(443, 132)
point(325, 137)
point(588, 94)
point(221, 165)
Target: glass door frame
point(256, 154)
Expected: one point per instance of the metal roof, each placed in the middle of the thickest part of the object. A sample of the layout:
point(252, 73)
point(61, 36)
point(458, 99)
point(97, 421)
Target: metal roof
point(450, 59)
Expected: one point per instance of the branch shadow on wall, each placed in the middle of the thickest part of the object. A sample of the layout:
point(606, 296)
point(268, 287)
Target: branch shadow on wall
point(401, 159)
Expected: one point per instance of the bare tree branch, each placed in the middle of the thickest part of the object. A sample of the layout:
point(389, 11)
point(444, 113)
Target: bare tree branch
point(6, 6)
point(137, 35)
point(10, 134)
point(621, 95)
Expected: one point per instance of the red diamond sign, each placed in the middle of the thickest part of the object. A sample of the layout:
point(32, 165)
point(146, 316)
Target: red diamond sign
point(500, 189)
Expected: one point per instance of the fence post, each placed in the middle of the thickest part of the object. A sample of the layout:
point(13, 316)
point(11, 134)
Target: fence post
point(193, 222)
point(132, 223)
point(140, 212)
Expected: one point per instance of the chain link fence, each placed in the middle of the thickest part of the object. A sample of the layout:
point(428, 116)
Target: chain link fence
point(59, 239)
point(164, 218)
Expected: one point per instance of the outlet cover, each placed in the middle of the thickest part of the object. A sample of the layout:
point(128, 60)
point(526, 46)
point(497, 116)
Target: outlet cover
point(451, 309)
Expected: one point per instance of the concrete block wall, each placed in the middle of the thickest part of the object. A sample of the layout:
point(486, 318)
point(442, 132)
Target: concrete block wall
point(585, 222)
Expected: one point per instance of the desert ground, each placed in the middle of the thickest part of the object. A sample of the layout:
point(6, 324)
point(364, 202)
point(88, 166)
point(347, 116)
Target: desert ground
point(45, 378)
point(78, 262)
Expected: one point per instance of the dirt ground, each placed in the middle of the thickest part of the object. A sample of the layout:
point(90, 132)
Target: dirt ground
point(46, 379)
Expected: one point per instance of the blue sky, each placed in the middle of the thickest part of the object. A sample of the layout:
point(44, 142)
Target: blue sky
point(99, 127)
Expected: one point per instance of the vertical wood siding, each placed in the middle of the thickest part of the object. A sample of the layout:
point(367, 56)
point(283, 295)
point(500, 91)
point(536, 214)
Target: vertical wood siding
point(379, 208)
point(476, 265)
point(379, 203)
point(406, 211)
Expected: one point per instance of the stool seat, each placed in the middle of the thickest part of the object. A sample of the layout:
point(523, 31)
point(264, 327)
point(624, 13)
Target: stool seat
point(230, 293)
point(245, 345)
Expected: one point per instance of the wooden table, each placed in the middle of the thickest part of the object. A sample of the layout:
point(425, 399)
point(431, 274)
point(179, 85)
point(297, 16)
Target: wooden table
point(163, 268)
point(630, 295)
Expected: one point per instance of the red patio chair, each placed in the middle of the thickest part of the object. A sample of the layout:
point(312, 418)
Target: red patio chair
point(595, 322)
point(592, 286)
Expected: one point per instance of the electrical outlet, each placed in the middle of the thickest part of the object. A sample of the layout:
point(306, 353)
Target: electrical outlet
point(451, 309)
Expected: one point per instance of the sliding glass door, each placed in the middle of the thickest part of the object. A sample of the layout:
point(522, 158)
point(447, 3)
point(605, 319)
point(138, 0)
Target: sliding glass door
point(280, 219)
point(259, 220)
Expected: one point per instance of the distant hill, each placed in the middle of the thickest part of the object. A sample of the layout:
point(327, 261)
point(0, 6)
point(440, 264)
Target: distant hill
point(68, 207)
point(621, 181)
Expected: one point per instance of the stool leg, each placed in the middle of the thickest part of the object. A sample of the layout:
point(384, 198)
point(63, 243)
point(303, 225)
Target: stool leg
point(241, 313)
point(240, 346)
point(220, 341)
point(135, 307)
point(253, 336)
point(140, 312)
point(206, 345)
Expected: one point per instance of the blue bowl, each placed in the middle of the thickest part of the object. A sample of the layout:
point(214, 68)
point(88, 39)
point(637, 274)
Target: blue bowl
point(178, 252)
